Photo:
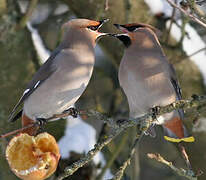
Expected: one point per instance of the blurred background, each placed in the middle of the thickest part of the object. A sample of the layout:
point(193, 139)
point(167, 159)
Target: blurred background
point(30, 30)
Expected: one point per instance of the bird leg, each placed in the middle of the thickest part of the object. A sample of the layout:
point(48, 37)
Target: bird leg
point(41, 122)
point(154, 111)
point(72, 111)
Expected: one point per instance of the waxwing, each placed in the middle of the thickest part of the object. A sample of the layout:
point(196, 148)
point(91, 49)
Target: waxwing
point(62, 79)
point(149, 80)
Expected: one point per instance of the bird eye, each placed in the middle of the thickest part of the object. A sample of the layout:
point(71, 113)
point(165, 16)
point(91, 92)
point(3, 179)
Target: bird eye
point(131, 28)
point(93, 28)
point(134, 28)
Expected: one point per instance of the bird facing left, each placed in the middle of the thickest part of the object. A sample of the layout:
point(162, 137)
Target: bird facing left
point(62, 79)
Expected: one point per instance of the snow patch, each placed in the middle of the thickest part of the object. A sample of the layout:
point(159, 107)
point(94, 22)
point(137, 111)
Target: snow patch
point(191, 44)
point(201, 125)
point(80, 137)
point(160, 6)
point(42, 52)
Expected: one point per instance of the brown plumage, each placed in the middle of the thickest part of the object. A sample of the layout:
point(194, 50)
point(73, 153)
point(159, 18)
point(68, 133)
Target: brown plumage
point(64, 76)
point(148, 79)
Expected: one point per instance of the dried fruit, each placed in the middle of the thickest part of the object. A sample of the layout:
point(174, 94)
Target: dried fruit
point(33, 158)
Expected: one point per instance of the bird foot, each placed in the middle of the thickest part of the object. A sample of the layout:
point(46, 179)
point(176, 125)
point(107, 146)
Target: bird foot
point(195, 97)
point(72, 111)
point(154, 111)
point(41, 122)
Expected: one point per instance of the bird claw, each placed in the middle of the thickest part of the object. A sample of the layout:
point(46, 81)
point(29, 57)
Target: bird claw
point(41, 122)
point(72, 111)
point(195, 97)
point(155, 111)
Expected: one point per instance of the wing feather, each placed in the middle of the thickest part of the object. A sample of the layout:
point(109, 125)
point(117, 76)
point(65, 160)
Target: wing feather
point(44, 72)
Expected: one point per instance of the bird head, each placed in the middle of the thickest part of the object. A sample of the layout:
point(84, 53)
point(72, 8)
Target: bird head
point(129, 32)
point(84, 27)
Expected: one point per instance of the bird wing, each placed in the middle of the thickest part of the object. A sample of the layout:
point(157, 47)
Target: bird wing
point(45, 71)
point(175, 83)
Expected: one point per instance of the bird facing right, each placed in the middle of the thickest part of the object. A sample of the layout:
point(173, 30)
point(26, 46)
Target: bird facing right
point(149, 80)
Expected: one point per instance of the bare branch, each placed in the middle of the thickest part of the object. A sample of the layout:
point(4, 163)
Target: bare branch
point(171, 22)
point(114, 155)
point(18, 130)
point(189, 56)
point(181, 172)
point(187, 13)
point(185, 156)
point(106, 5)
point(28, 13)
point(122, 168)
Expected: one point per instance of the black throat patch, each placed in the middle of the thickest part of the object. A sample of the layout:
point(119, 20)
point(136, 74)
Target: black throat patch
point(125, 39)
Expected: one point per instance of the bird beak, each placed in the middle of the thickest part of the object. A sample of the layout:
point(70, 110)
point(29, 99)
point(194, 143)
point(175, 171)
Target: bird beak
point(102, 22)
point(121, 28)
point(100, 34)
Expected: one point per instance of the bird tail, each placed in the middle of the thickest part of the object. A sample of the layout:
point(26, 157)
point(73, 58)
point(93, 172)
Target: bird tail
point(175, 131)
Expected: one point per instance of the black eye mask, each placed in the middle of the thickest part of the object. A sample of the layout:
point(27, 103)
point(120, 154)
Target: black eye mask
point(133, 28)
point(93, 28)
point(125, 39)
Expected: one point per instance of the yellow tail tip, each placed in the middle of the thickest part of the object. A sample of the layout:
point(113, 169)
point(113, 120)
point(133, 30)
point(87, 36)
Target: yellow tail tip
point(187, 139)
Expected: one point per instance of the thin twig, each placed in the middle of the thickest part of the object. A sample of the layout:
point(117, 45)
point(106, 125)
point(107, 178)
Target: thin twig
point(187, 13)
point(171, 22)
point(89, 156)
point(55, 116)
point(185, 20)
point(195, 9)
point(181, 172)
point(196, 52)
point(185, 156)
point(28, 13)
point(18, 130)
point(127, 5)
point(113, 156)
point(106, 5)
point(122, 168)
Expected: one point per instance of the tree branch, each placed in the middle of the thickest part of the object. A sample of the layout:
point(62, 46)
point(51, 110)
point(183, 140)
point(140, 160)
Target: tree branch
point(181, 172)
point(187, 13)
point(171, 22)
point(28, 13)
point(122, 168)
point(114, 155)
point(189, 56)
point(119, 126)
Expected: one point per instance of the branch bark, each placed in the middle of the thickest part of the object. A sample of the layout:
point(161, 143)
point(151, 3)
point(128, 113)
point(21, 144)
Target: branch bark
point(122, 169)
point(181, 172)
point(28, 13)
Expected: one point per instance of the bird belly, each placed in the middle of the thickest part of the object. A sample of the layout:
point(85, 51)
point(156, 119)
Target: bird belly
point(144, 93)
